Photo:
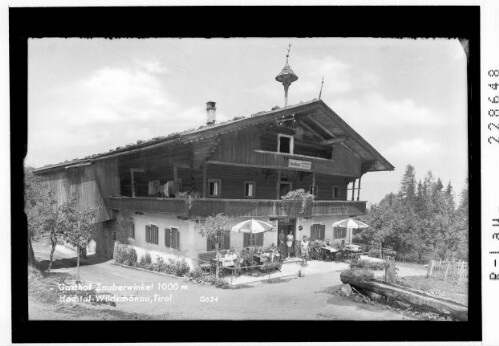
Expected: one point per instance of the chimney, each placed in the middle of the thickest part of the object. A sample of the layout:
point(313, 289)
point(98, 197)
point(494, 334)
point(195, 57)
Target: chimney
point(211, 117)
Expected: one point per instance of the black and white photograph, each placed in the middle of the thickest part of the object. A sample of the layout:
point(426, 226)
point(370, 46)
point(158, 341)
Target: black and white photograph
point(248, 178)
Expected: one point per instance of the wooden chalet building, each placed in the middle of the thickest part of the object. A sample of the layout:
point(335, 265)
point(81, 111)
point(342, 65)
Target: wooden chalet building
point(154, 194)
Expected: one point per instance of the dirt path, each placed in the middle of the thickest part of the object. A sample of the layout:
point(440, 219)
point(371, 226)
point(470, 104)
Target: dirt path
point(303, 298)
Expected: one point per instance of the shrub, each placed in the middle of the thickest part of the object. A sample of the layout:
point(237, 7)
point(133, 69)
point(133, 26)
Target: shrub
point(270, 267)
point(148, 258)
point(171, 266)
point(195, 274)
point(181, 267)
point(125, 254)
point(142, 261)
point(213, 280)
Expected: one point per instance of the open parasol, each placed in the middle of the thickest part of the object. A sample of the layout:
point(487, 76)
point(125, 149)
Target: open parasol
point(252, 227)
point(350, 224)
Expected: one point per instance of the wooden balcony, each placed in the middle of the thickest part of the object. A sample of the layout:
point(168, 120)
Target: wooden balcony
point(202, 207)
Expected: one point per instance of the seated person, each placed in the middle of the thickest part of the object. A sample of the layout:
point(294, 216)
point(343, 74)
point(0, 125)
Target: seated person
point(246, 257)
point(316, 244)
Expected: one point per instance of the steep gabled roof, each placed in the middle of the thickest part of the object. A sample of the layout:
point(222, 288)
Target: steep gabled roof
point(314, 113)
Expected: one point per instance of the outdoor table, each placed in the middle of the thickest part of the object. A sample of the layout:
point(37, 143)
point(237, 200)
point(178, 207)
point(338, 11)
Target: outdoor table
point(227, 261)
point(330, 248)
point(353, 248)
point(330, 252)
point(264, 257)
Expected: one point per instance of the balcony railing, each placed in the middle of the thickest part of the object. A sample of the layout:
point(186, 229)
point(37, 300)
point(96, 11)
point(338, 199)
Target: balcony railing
point(348, 166)
point(202, 207)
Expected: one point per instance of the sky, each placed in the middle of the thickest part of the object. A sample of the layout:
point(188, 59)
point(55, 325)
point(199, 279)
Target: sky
point(406, 97)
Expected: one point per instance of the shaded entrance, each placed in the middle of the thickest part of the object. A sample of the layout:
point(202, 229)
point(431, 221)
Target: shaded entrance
point(287, 225)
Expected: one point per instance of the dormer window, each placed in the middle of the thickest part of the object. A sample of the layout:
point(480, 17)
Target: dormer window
point(285, 144)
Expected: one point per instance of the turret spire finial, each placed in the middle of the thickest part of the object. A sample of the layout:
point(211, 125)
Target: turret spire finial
point(286, 77)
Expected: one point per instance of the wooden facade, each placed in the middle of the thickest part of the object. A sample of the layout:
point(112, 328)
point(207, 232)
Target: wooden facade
point(300, 147)
point(89, 183)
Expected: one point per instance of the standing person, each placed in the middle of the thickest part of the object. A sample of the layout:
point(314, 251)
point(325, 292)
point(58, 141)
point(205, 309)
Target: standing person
point(304, 249)
point(281, 244)
point(289, 243)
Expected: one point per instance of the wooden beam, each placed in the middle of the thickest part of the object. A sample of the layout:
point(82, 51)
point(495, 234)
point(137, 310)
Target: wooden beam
point(340, 139)
point(278, 190)
point(313, 183)
point(358, 189)
point(310, 129)
point(415, 298)
point(175, 178)
point(353, 189)
point(205, 167)
point(132, 171)
point(322, 127)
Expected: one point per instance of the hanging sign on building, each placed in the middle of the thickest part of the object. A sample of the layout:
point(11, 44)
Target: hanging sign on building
point(299, 164)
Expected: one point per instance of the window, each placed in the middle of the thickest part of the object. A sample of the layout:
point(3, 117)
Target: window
point(285, 144)
point(152, 234)
point(340, 232)
point(314, 190)
point(131, 228)
point(172, 238)
point(249, 189)
point(224, 243)
point(336, 192)
point(317, 232)
point(214, 187)
point(255, 239)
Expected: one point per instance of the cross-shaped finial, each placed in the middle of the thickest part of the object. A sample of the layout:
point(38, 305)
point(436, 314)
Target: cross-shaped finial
point(289, 48)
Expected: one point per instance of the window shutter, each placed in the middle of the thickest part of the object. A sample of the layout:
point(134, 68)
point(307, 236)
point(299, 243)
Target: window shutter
point(313, 232)
point(154, 234)
point(323, 232)
point(246, 240)
point(175, 235)
point(259, 239)
point(178, 239)
point(148, 234)
point(210, 245)
point(167, 237)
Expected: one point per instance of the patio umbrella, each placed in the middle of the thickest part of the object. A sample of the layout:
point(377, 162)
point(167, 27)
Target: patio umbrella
point(350, 223)
point(252, 227)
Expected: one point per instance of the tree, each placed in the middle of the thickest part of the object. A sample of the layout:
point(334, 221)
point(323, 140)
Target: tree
point(76, 226)
point(43, 213)
point(408, 185)
point(215, 228)
point(421, 219)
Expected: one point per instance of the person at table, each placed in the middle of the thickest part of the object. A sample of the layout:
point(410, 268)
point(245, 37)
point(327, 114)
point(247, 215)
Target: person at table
point(237, 263)
point(304, 249)
point(328, 243)
point(289, 243)
point(273, 251)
